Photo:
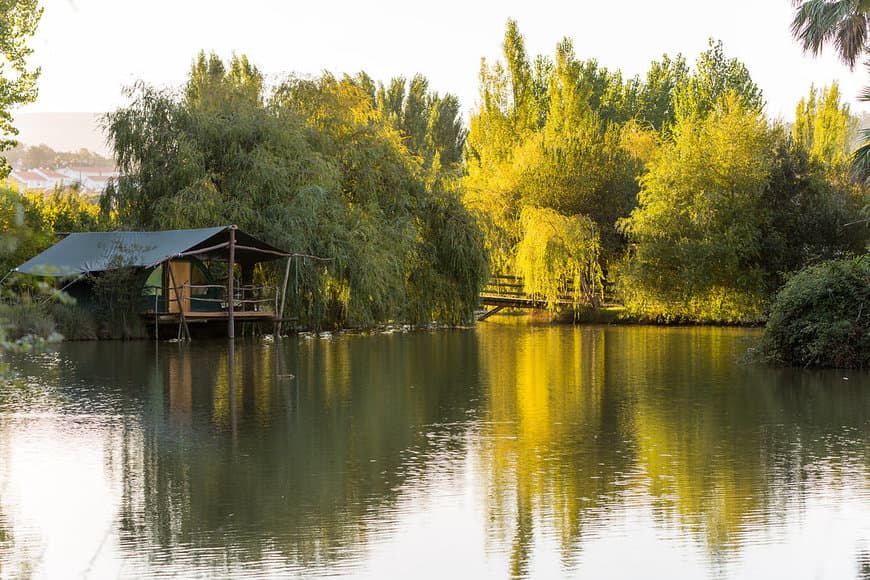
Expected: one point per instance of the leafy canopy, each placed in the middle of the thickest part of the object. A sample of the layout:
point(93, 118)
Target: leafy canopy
point(315, 167)
point(18, 21)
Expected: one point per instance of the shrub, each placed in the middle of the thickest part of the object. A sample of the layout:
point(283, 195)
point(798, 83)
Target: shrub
point(821, 317)
point(74, 322)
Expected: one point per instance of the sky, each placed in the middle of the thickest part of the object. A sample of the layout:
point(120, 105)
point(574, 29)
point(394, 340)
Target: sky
point(90, 49)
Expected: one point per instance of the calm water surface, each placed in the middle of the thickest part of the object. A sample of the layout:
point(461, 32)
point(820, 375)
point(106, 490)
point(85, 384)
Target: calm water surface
point(505, 451)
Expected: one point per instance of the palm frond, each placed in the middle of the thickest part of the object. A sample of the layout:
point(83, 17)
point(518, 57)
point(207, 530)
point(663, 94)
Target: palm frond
point(851, 38)
point(840, 22)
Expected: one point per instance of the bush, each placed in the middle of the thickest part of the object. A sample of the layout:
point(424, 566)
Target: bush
point(25, 327)
point(74, 322)
point(118, 292)
point(821, 317)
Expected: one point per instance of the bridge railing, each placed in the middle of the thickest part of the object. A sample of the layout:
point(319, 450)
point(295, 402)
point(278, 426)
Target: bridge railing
point(507, 286)
point(501, 285)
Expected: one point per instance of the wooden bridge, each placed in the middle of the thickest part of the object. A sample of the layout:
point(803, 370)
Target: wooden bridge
point(508, 292)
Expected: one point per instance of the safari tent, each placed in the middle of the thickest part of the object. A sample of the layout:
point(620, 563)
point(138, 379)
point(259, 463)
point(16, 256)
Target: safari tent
point(198, 275)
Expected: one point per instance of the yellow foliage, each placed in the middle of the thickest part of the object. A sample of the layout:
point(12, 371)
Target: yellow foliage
point(559, 254)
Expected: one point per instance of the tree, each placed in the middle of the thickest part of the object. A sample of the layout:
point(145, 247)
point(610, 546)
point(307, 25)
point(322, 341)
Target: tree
point(824, 126)
point(698, 224)
point(430, 125)
point(559, 254)
point(656, 95)
point(313, 167)
point(18, 21)
point(843, 23)
point(714, 76)
point(548, 137)
point(806, 206)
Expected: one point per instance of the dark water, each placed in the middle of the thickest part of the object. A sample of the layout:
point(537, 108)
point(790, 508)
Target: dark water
point(503, 451)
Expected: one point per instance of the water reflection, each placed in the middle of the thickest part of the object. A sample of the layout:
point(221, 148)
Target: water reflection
point(506, 451)
point(605, 433)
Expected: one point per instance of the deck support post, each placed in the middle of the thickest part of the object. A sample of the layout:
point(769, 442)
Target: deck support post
point(182, 322)
point(280, 312)
point(231, 302)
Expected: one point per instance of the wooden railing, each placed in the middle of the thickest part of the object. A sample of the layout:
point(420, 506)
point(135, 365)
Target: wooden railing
point(505, 291)
point(512, 287)
point(251, 298)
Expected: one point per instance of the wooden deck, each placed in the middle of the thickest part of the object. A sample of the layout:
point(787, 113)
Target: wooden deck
point(209, 324)
point(175, 317)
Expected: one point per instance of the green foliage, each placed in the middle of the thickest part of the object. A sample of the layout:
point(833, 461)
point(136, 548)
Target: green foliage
point(26, 323)
point(19, 240)
point(74, 322)
point(716, 75)
point(118, 294)
point(697, 228)
point(548, 136)
point(560, 255)
point(577, 168)
point(656, 96)
point(314, 167)
point(808, 209)
point(29, 221)
point(449, 266)
point(844, 24)
point(824, 127)
point(821, 317)
point(570, 136)
point(18, 21)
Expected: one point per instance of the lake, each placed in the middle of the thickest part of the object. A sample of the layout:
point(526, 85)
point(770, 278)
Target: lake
point(509, 450)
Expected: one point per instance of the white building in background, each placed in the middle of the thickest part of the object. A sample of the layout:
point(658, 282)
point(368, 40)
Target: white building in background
point(29, 180)
point(79, 172)
point(55, 179)
point(96, 183)
point(92, 179)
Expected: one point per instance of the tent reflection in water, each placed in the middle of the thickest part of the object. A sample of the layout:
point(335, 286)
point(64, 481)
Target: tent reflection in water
point(185, 273)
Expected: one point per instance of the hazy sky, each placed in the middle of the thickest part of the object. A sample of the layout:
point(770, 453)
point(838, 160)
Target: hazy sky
point(90, 49)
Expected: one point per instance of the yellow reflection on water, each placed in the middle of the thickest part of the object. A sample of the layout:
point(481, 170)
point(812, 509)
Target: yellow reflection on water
point(545, 399)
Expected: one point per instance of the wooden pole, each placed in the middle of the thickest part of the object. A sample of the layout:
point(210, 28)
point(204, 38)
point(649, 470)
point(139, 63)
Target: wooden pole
point(182, 322)
point(231, 328)
point(280, 312)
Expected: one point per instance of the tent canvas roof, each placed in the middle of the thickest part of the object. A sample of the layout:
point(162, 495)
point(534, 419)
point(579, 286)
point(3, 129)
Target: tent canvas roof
point(100, 251)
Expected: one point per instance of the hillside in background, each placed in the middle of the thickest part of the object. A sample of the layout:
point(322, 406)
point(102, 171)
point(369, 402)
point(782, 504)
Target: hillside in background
point(63, 131)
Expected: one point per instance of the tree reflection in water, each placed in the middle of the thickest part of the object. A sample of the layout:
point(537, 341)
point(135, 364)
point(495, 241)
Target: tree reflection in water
point(312, 455)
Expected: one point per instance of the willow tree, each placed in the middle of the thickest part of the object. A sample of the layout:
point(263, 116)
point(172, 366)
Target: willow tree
point(559, 255)
point(312, 167)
